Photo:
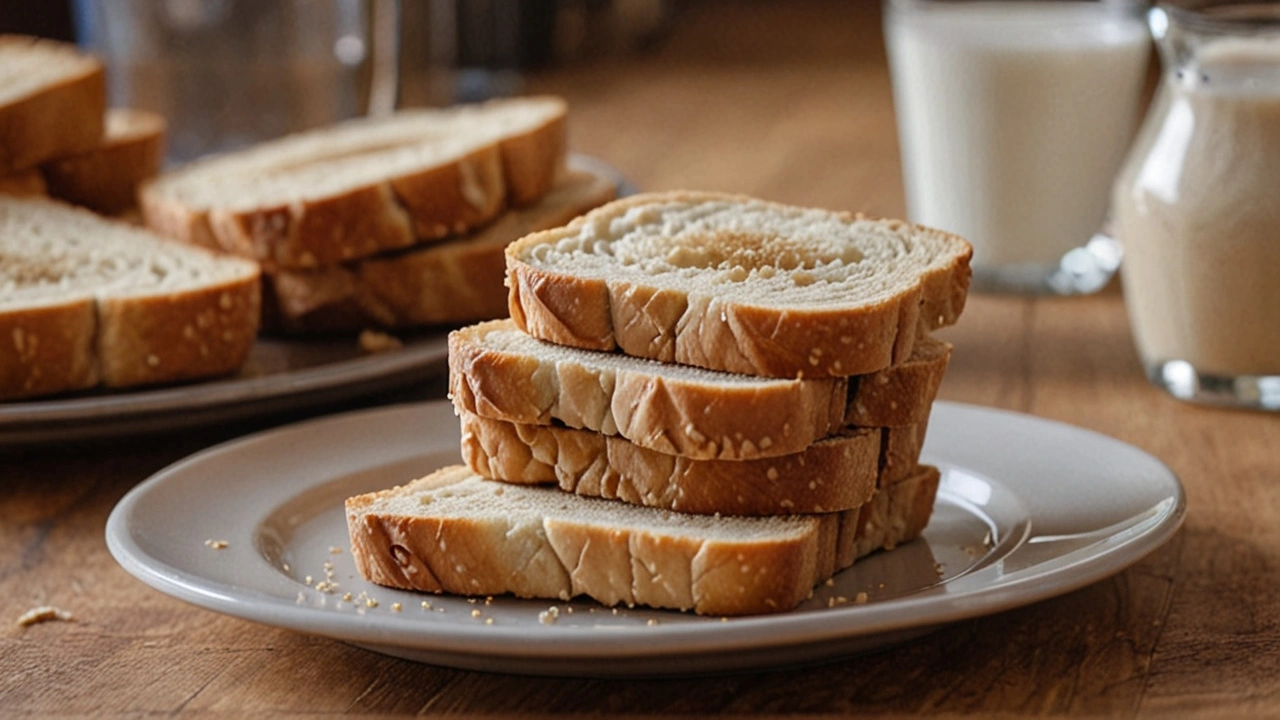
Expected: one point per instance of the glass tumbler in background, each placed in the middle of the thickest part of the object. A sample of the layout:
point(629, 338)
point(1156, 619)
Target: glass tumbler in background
point(1197, 207)
point(228, 73)
point(1013, 118)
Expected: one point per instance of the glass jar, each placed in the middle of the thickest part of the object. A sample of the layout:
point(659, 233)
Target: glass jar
point(1197, 208)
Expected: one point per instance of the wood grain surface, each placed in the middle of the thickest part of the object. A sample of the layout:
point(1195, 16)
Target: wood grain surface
point(789, 101)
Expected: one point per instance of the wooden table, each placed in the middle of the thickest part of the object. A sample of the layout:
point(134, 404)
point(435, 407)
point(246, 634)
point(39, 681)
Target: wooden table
point(790, 103)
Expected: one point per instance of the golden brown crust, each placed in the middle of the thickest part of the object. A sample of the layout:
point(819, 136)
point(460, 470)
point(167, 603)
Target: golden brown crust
point(704, 330)
point(179, 336)
point(689, 418)
point(106, 178)
point(48, 349)
point(835, 474)
point(29, 183)
point(451, 282)
point(901, 394)
point(533, 161)
point(63, 118)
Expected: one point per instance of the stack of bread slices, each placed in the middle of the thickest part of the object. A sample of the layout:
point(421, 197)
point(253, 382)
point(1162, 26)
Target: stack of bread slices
point(383, 222)
point(701, 402)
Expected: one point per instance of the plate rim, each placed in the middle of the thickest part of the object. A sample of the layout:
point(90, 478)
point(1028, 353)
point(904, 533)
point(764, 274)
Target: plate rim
point(568, 643)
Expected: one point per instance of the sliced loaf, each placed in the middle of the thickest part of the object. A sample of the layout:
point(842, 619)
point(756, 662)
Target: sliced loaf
point(452, 282)
point(52, 99)
point(836, 473)
point(497, 371)
point(364, 186)
point(87, 301)
point(732, 283)
point(455, 532)
point(106, 178)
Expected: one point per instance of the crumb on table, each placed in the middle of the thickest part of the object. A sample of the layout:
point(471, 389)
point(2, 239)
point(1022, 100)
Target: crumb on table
point(42, 614)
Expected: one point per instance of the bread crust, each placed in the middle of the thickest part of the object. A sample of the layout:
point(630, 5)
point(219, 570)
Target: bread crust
point(30, 183)
point(48, 349)
point(558, 558)
point(901, 394)
point(451, 282)
point(441, 200)
point(705, 330)
point(106, 178)
point(61, 118)
point(834, 474)
point(691, 418)
point(688, 418)
point(177, 336)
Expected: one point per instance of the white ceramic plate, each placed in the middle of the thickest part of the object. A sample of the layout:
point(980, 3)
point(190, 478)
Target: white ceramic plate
point(1027, 509)
point(279, 375)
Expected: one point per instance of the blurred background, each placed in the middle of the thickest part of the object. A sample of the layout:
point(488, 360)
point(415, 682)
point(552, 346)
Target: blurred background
point(817, 72)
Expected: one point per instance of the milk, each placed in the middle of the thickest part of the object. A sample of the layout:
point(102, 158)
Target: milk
point(1013, 118)
point(1197, 208)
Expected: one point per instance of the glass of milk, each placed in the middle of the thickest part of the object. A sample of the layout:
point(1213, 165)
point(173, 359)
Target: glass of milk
point(1197, 208)
point(1013, 118)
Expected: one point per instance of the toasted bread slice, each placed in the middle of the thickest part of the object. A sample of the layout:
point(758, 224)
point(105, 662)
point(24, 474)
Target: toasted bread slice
point(498, 372)
point(106, 178)
point(364, 186)
point(52, 99)
point(87, 301)
point(732, 283)
point(455, 532)
point(836, 473)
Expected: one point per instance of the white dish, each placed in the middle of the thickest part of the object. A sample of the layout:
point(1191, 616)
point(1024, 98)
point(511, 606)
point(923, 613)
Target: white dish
point(280, 375)
point(1027, 509)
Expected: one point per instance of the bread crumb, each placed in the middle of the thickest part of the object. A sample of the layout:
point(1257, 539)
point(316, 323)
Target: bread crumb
point(370, 602)
point(335, 550)
point(43, 614)
point(216, 544)
point(376, 341)
point(395, 607)
point(475, 613)
point(651, 622)
point(488, 621)
point(831, 582)
point(549, 616)
point(860, 599)
point(426, 605)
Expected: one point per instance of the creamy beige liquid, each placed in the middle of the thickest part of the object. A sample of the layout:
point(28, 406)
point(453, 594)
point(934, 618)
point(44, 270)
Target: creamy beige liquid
point(1197, 208)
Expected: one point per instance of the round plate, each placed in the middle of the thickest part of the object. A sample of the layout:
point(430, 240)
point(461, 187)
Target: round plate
point(280, 375)
point(1027, 509)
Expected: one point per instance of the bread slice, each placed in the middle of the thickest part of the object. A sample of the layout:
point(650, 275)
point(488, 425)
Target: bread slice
point(106, 178)
point(365, 186)
point(453, 282)
point(457, 533)
point(27, 183)
point(497, 371)
point(835, 473)
point(52, 99)
point(87, 301)
point(731, 283)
